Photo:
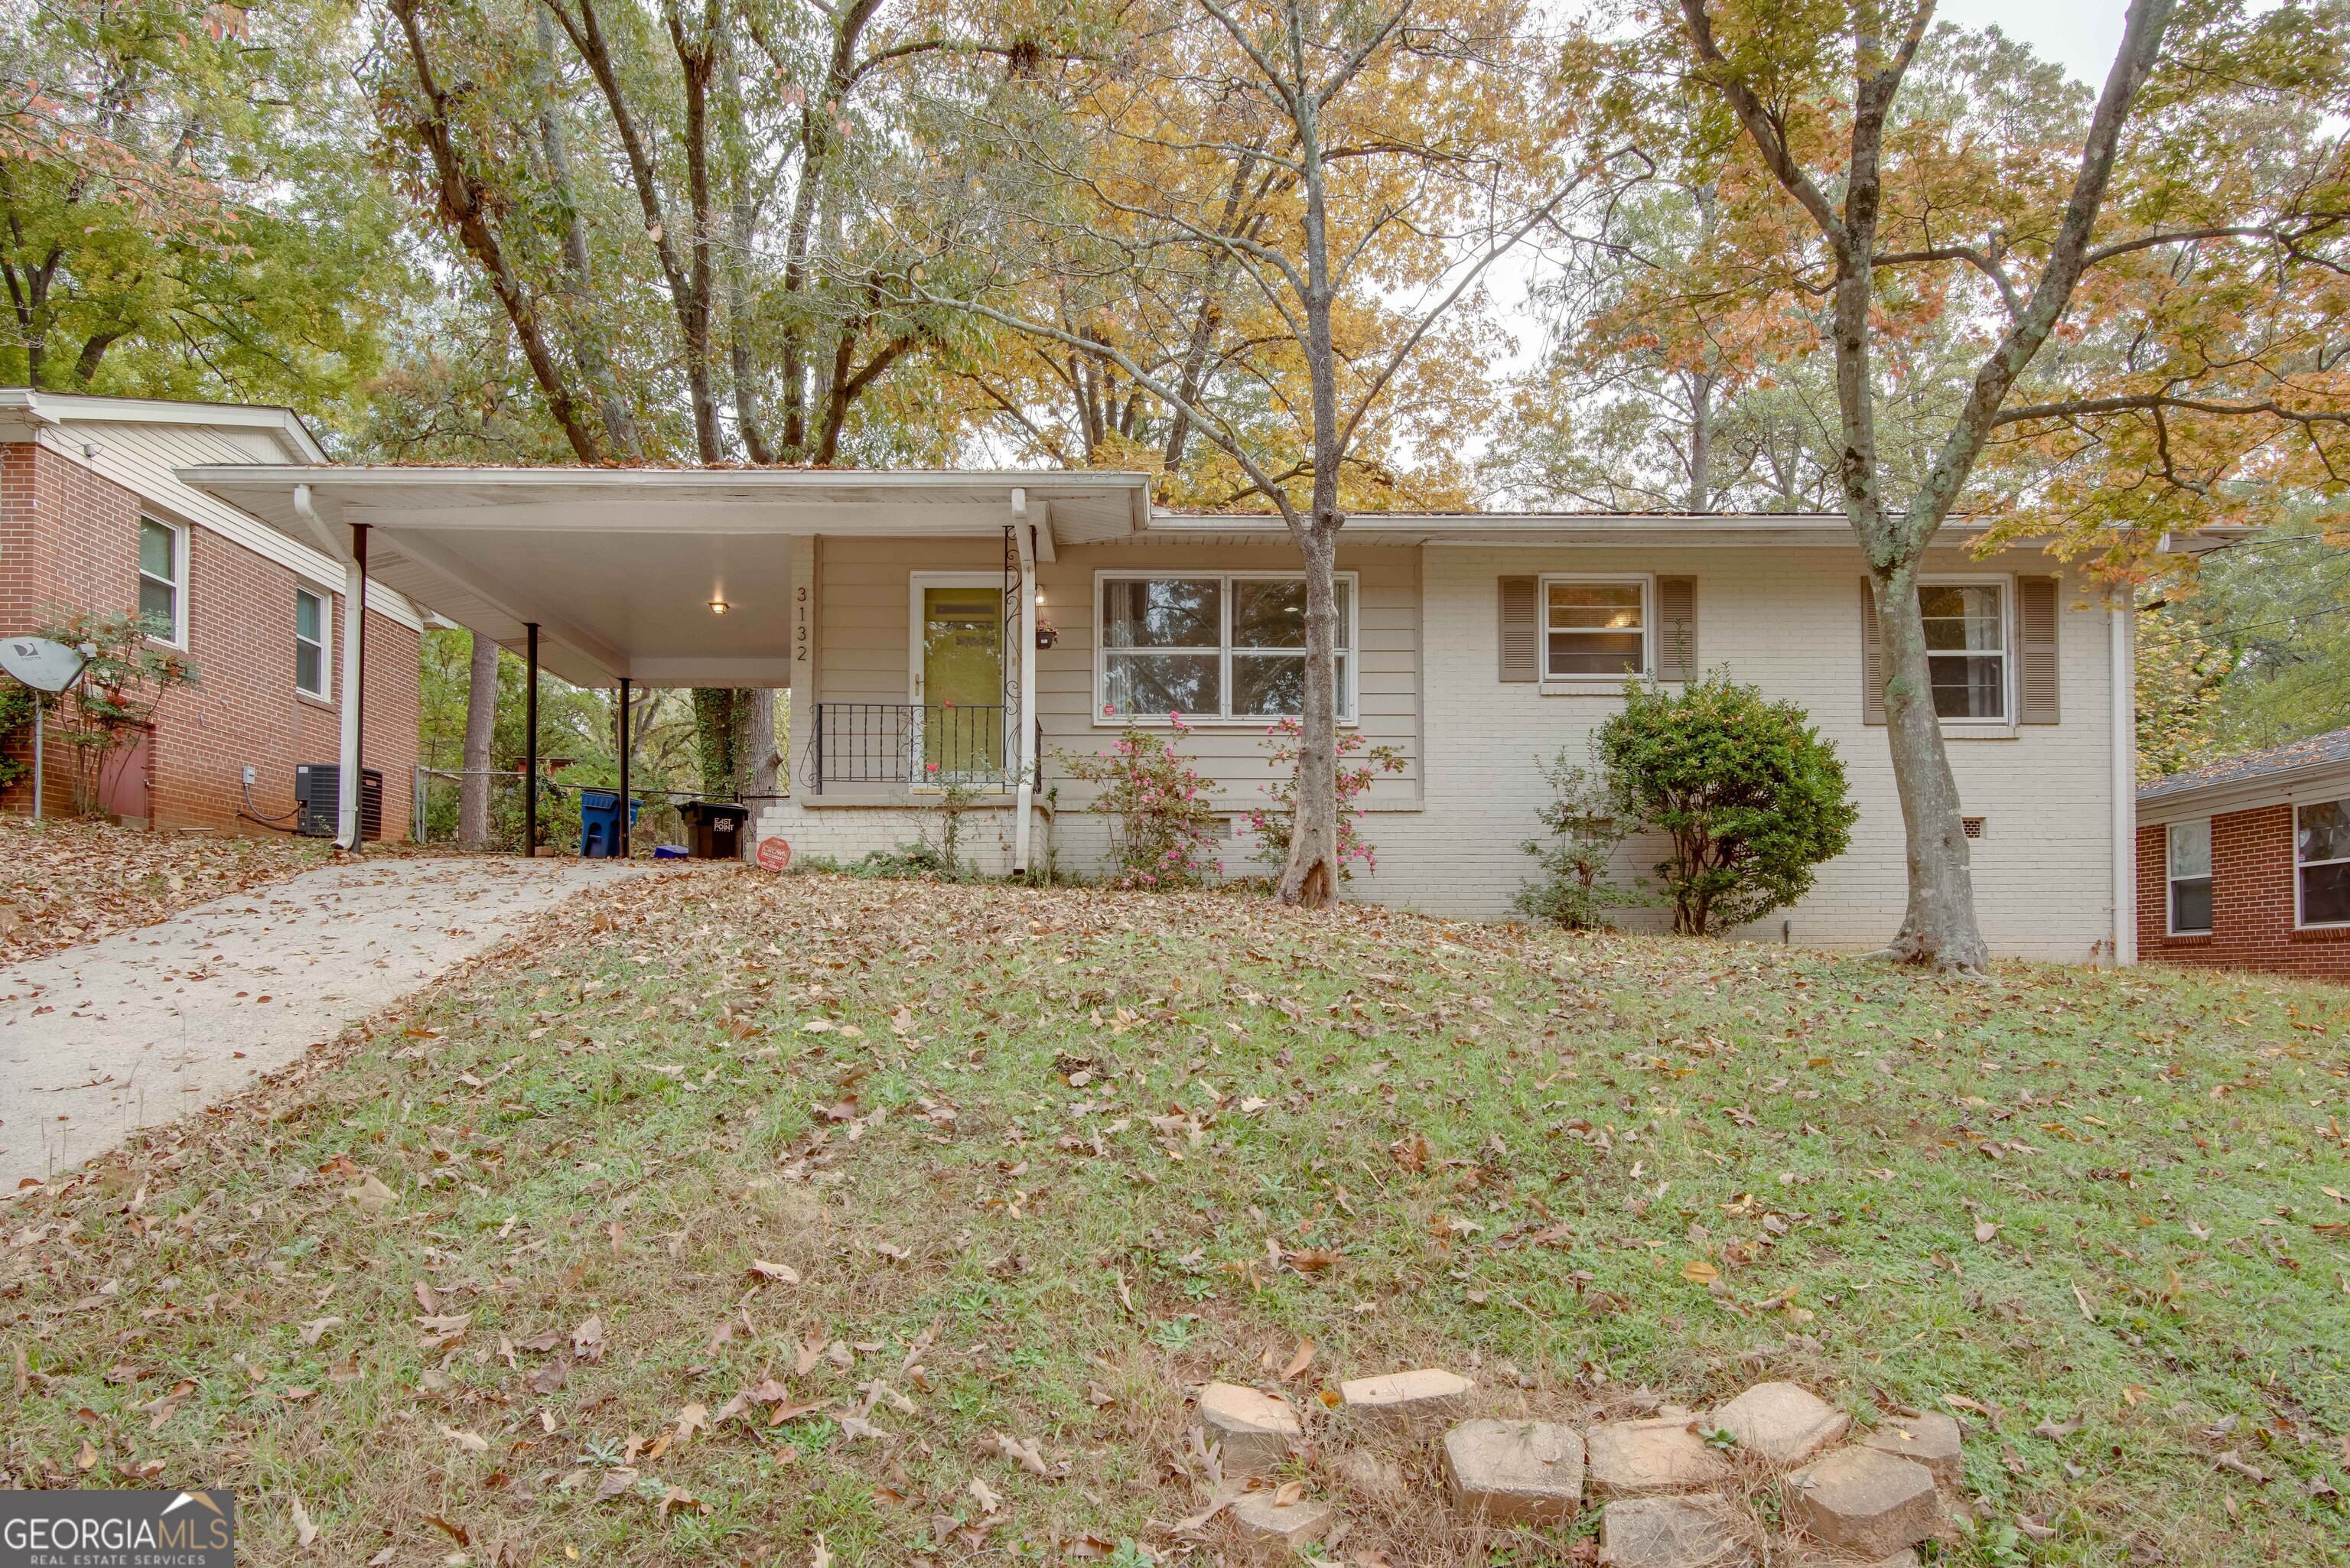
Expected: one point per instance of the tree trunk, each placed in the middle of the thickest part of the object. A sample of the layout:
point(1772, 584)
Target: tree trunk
point(586, 335)
point(715, 731)
point(1311, 876)
point(480, 721)
point(754, 743)
point(1939, 928)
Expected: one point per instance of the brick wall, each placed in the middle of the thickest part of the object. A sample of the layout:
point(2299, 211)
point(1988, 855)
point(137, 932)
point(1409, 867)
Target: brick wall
point(2252, 901)
point(69, 540)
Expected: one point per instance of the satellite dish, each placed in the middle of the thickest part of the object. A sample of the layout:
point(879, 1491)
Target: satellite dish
point(41, 664)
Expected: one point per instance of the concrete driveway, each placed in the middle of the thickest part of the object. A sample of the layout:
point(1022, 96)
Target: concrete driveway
point(149, 1026)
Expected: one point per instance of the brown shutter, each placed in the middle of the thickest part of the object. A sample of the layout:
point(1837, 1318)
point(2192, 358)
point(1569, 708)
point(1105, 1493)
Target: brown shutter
point(1872, 660)
point(2036, 619)
point(1676, 628)
point(1520, 641)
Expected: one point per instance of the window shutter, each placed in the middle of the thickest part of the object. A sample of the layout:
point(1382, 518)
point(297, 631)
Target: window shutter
point(1676, 628)
point(1520, 644)
point(2036, 613)
point(1872, 660)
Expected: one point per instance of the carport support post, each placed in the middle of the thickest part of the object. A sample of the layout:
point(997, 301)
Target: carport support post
point(1024, 797)
point(530, 745)
point(349, 777)
point(624, 767)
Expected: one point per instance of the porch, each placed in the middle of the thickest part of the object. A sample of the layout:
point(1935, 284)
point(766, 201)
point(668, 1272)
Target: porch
point(626, 579)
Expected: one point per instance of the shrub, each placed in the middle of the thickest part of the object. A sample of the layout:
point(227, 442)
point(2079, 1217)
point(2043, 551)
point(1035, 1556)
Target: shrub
point(1359, 762)
point(1584, 830)
point(115, 699)
point(1749, 794)
point(1161, 825)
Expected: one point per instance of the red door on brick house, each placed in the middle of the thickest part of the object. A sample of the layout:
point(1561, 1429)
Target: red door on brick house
point(126, 781)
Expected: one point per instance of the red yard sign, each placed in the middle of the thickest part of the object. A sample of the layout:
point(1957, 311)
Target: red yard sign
point(776, 854)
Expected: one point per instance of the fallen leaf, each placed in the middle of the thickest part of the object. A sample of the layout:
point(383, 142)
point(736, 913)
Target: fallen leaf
point(471, 1442)
point(1698, 1271)
point(1003, 1445)
point(691, 1419)
point(764, 1273)
point(372, 1196)
point(317, 1327)
point(456, 1532)
point(588, 1341)
point(306, 1534)
point(618, 1481)
point(1985, 1230)
point(2054, 1432)
point(986, 1496)
point(1299, 1362)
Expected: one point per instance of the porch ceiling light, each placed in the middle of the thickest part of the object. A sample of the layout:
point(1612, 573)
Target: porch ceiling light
point(719, 607)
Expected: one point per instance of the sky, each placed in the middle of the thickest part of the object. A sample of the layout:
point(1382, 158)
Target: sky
point(2080, 35)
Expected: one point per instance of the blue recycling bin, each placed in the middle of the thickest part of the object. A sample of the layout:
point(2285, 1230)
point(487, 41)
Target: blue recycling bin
point(599, 823)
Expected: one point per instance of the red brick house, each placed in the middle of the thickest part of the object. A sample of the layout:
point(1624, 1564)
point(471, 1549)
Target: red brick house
point(93, 517)
point(2245, 864)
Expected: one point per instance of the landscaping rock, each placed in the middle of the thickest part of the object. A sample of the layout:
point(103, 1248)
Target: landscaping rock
point(1630, 1459)
point(1782, 1424)
point(1864, 1501)
point(1293, 1524)
point(1930, 1439)
point(1254, 1429)
point(1515, 1472)
point(1698, 1531)
point(1409, 1401)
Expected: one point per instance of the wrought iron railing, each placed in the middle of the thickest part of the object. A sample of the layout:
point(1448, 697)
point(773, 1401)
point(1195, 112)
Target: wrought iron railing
point(912, 744)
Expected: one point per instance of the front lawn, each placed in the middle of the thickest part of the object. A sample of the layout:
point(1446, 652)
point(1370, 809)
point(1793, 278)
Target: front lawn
point(820, 1220)
point(63, 883)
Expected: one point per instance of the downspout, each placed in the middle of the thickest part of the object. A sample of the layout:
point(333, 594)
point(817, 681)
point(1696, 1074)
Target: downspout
point(1025, 793)
point(2121, 643)
point(347, 760)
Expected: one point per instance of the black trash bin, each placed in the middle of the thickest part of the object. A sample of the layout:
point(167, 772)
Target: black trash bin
point(716, 826)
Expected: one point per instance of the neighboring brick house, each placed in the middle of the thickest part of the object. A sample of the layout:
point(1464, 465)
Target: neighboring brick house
point(2245, 864)
point(93, 518)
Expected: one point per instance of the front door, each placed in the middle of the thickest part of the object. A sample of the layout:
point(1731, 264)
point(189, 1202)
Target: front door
point(958, 665)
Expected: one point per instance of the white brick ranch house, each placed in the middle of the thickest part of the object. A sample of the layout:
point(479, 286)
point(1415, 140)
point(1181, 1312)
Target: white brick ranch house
point(987, 625)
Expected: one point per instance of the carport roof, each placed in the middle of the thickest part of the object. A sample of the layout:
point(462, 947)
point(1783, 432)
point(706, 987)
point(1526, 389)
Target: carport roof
point(619, 566)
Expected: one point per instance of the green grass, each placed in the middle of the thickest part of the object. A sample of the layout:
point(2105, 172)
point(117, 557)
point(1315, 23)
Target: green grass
point(1042, 1161)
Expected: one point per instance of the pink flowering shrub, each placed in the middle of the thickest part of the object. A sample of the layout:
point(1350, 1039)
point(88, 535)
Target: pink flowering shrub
point(1358, 762)
point(1161, 825)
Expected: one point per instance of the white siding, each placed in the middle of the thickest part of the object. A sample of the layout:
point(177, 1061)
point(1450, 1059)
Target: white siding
point(1447, 830)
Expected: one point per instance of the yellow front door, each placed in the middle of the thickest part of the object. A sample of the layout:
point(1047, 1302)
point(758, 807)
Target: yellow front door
point(960, 730)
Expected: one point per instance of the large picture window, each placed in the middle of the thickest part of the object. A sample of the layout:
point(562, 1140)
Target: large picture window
point(2322, 856)
point(1213, 646)
point(1595, 628)
point(2189, 862)
point(161, 566)
point(310, 643)
point(1966, 649)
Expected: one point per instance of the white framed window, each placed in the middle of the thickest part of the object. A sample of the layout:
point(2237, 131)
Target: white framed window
point(1210, 647)
point(1597, 628)
point(1969, 648)
point(313, 618)
point(2321, 854)
point(162, 581)
point(2187, 860)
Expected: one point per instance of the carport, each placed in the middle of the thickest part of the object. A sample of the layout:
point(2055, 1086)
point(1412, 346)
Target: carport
point(658, 577)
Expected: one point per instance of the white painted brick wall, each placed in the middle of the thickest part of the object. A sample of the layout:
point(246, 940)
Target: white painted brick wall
point(1785, 619)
